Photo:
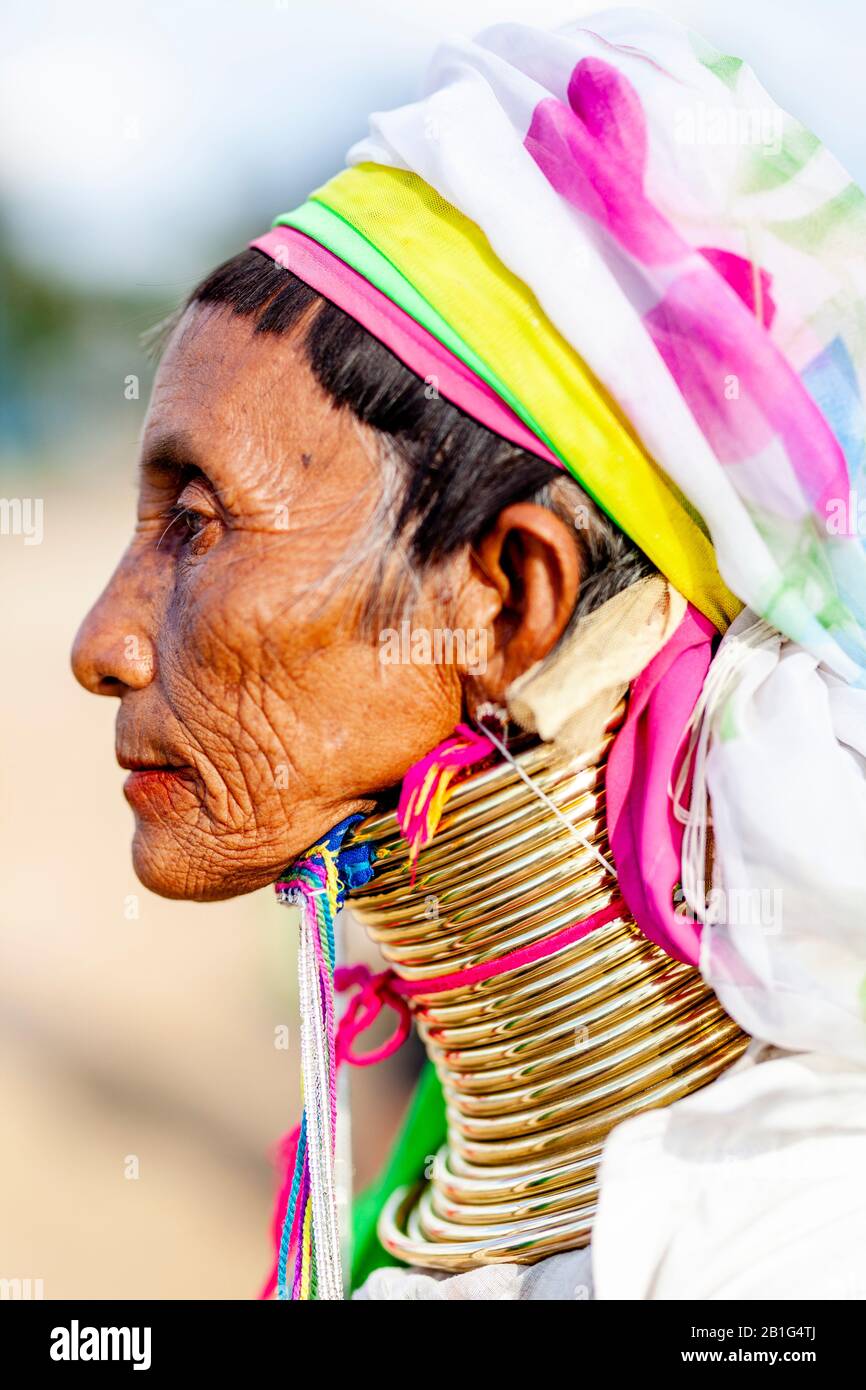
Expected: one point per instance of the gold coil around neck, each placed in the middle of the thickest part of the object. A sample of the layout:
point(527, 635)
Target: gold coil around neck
point(537, 1064)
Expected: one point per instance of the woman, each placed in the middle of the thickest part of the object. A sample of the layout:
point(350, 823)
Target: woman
point(498, 520)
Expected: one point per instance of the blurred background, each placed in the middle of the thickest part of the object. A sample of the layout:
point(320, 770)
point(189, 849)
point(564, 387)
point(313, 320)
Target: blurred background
point(140, 144)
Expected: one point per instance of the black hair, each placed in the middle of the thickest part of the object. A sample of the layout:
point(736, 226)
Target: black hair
point(456, 474)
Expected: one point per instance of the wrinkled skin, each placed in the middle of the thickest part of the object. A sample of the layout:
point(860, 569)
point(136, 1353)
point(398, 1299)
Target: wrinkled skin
point(259, 714)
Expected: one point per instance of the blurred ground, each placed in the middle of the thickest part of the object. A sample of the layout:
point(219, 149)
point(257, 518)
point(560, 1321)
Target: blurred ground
point(125, 1037)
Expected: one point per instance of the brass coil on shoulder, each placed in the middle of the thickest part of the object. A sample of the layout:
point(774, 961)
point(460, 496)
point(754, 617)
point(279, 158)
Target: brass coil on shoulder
point(538, 1063)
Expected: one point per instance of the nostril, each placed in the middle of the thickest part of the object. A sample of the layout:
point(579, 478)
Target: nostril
point(109, 685)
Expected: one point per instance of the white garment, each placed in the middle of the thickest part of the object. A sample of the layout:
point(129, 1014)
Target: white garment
point(560, 1277)
point(785, 774)
point(754, 1187)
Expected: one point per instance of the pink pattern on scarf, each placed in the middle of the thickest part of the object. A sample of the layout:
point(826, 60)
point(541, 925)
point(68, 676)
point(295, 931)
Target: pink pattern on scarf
point(713, 308)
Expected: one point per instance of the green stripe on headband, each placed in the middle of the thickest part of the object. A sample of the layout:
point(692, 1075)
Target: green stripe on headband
point(337, 235)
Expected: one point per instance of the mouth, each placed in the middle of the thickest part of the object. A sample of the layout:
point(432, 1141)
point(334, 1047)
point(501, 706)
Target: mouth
point(148, 764)
point(149, 775)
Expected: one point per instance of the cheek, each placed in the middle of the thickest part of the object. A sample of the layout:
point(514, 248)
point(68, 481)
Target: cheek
point(284, 704)
point(211, 648)
point(361, 723)
point(259, 678)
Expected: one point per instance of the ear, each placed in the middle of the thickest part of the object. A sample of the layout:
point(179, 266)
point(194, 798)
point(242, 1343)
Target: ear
point(524, 582)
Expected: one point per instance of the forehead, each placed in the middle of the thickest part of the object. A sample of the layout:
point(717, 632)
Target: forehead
point(247, 404)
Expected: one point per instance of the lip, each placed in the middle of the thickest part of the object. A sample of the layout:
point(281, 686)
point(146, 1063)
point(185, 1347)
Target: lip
point(146, 784)
point(142, 775)
point(132, 764)
point(148, 777)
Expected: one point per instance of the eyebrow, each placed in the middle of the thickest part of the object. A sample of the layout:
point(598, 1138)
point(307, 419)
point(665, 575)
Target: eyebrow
point(172, 453)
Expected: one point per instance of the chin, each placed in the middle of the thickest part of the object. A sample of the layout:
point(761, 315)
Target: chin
point(173, 871)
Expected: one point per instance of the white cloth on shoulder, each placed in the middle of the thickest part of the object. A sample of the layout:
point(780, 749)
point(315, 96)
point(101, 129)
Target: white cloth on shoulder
point(751, 1188)
point(559, 1277)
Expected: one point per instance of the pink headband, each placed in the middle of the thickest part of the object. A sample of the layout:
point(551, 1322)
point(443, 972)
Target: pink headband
point(392, 326)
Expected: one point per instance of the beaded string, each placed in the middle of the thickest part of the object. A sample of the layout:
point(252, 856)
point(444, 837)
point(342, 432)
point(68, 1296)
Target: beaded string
point(309, 1238)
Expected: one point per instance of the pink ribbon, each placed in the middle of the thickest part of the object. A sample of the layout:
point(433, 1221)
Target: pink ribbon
point(526, 955)
point(375, 992)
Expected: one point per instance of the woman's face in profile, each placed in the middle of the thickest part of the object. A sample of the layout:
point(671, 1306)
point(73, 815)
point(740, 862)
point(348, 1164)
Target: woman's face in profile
point(252, 716)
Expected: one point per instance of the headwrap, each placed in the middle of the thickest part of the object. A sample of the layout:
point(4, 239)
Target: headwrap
point(610, 245)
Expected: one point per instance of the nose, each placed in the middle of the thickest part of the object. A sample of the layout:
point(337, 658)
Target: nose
point(112, 651)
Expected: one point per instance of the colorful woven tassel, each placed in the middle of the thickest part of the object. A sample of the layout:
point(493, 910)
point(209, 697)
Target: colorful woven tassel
point(305, 1222)
point(309, 1239)
point(428, 784)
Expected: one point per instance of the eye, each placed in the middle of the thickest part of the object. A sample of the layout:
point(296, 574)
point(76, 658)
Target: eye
point(192, 523)
point(188, 521)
